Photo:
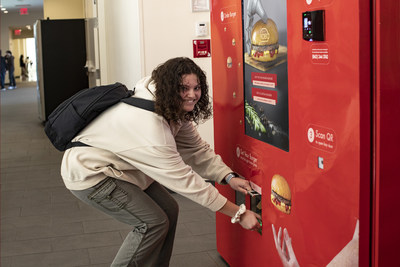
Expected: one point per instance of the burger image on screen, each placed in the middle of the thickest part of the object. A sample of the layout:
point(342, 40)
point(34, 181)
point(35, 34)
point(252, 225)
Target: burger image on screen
point(264, 41)
point(281, 196)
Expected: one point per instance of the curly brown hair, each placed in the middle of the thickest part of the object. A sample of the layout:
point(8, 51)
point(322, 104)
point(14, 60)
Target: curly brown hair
point(168, 82)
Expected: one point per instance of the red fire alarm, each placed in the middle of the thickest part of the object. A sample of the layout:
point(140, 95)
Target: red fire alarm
point(201, 48)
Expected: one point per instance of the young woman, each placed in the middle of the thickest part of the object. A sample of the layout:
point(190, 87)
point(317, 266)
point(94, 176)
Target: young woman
point(135, 152)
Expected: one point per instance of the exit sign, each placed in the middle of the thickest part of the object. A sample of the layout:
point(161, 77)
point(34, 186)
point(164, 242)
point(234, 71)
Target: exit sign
point(23, 11)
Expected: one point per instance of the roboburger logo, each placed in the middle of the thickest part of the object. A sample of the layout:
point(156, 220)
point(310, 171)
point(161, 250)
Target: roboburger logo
point(227, 15)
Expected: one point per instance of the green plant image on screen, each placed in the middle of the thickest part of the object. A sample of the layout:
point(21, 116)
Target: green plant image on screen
point(253, 119)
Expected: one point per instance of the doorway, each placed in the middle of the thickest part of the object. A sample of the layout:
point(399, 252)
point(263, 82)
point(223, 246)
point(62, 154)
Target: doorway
point(26, 48)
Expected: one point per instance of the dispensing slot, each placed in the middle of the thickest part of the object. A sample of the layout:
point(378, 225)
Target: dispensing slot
point(240, 198)
point(255, 202)
point(255, 205)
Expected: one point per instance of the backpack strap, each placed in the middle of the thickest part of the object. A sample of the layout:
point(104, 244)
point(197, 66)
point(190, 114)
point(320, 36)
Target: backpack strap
point(140, 103)
point(74, 144)
point(133, 101)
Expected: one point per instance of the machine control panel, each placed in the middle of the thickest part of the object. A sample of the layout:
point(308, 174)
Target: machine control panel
point(313, 25)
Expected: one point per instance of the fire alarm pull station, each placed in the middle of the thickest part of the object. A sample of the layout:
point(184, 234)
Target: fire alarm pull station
point(313, 25)
point(201, 48)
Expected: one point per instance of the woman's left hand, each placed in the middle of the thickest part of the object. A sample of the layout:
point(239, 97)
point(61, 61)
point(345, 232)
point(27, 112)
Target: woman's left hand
point(240, 185)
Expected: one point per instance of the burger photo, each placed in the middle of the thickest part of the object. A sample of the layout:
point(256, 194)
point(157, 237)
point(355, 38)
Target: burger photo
point(264, 41)
point(281, 196)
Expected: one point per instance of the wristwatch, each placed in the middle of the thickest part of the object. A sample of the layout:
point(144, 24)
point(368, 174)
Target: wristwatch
point(229, 176)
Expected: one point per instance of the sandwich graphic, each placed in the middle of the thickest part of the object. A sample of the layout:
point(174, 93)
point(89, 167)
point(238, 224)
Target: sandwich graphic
point(281, 197)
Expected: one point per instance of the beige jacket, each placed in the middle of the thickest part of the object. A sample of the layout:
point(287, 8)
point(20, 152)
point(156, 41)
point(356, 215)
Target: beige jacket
point(139, 146)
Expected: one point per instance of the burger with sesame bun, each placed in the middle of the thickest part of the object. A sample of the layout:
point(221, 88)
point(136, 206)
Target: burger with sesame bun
point(264, 41)
point(281, 196)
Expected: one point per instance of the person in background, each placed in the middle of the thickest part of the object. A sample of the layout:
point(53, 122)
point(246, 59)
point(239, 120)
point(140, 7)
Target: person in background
point(135, 153)
point(28, 64)
point(2, 71)
point(22, 65)
point(11, 68)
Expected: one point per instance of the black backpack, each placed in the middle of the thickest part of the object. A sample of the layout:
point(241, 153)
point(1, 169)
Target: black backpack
point(72, 115)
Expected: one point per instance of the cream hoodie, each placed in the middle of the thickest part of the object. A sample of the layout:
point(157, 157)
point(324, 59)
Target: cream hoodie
point(139, 146)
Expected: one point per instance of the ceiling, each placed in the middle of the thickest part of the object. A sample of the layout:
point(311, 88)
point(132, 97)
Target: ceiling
point(15, 5)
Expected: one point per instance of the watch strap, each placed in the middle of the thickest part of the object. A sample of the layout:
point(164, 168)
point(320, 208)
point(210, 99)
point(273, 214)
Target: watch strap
point(229, 176)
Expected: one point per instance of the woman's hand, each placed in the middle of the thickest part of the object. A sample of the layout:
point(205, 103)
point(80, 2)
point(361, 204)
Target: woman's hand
point(239, 184)
point(249, 221)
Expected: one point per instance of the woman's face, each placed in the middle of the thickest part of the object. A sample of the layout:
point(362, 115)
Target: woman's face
point(190, 91)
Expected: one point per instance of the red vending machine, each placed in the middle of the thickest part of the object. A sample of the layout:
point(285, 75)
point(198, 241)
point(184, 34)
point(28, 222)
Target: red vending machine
point(306, 107)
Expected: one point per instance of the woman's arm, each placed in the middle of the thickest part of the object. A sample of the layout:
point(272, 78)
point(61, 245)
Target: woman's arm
point(198, 154)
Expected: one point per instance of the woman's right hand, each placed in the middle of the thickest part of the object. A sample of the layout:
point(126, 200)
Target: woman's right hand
point(249, 221)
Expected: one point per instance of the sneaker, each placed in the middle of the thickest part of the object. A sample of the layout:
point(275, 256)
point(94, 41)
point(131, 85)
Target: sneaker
point(3, 89)
point(11, 87)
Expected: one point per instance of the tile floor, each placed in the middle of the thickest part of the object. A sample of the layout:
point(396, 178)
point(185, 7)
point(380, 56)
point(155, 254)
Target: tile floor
point(42, 224)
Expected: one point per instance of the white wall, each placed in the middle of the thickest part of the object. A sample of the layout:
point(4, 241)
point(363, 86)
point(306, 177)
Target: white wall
point(168, 31)
point(61, 9)
point(138, 35)
point(120, 44)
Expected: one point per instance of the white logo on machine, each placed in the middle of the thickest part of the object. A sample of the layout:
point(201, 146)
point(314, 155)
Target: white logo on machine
point(249, 158)
point(310, 135)
point(227, 15)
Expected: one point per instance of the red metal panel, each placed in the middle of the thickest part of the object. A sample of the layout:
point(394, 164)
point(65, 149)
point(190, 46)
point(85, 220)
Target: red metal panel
point(387, 110)
point(324, 95)
point(366, 127)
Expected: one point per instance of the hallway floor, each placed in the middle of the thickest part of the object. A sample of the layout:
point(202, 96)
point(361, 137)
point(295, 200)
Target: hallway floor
point(43, 224)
